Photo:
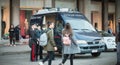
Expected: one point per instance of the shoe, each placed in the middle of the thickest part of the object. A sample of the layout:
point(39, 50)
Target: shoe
point(40, 63)
point(60, 64)
point(14, 45)
point(10, 45)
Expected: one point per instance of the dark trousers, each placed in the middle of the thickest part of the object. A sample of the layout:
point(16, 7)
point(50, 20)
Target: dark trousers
point(66, 57)
point(40, 52)
point(118, 53)
point(49, 57)
point(37, 51)
point(17, 37)
point(12, 40)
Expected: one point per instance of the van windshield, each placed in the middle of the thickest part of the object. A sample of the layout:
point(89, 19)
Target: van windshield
point(79, 23)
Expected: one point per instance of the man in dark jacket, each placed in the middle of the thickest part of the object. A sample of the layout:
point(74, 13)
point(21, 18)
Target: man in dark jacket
point(33, 43)
point(39, 31)
point(17, 32)
point(118, 48)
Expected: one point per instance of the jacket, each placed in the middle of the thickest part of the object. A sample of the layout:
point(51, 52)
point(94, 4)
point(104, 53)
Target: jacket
point(51, 43)
point(73, 48)
point(118, 37)
point(12, 32)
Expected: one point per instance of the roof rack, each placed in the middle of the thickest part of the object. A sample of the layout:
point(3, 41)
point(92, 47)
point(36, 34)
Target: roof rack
point(53, 10)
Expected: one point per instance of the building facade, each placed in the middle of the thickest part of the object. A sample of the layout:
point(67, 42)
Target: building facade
point(101, 13)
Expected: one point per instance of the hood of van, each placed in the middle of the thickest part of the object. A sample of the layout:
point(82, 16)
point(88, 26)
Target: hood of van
point(88, 36)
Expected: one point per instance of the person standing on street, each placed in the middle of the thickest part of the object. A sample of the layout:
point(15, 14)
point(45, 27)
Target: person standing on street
point(110, 30)
point(3, 24)
point(118, 48)
point(12, 35)
point(39, 48)
point(71, 48)
point(51, 46)
point(17, 33)
point(33, 42)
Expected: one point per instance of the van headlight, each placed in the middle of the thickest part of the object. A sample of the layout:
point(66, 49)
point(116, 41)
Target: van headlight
point(81, 42)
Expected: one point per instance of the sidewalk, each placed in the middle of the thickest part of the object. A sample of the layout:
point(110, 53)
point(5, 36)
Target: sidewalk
point(21, 47)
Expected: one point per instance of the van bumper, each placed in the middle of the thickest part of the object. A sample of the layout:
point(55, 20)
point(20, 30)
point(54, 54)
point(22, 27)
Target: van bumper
point(91, 48)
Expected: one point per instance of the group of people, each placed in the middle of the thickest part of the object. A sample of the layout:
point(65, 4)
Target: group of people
point(14, 34)
point(68, 50)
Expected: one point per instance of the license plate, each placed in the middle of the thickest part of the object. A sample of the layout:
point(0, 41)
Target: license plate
point(93, 51)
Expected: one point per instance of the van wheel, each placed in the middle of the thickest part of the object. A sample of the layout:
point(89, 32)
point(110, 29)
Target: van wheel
point(115, 49)
point(96, 54)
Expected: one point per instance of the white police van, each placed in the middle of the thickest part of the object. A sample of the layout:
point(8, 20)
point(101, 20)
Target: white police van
point(88, 39)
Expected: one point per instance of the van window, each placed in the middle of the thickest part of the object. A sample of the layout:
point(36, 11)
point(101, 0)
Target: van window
point(79, 23)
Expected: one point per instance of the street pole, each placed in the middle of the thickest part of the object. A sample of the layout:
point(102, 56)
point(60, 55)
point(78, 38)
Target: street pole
point(0, 22)
point(77, 5)
point(104, 15)
point(53, 3)
point(117, 11)
point(11, 12)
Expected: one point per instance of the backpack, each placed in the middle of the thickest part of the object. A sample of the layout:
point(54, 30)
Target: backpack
point(43, 39)
point(66, 40)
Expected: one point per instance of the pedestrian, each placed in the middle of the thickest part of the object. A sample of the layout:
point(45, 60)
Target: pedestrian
point(17, 33)
point(33, 43)
point(118, 48)
point(43, 31)
point(110, 30)
point(71, 48)
point(51, 46)
point(58, 32)
point(3, 24)
point(39, 31)
point(12, 35)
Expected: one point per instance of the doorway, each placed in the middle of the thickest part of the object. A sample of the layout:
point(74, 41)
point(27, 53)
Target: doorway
point(25, 16)
point(111, 21)
point(96, 20)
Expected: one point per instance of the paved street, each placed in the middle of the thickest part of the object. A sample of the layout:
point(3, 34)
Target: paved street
point(20, 55)
point(106, 58)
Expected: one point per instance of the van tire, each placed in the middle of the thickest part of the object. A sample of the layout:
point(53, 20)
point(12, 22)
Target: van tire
point(115, 49)
point(96, 54)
